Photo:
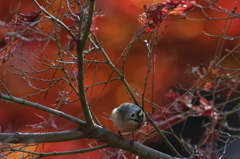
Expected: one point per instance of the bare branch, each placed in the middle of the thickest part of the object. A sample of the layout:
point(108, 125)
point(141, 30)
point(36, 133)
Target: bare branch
point(41, 107)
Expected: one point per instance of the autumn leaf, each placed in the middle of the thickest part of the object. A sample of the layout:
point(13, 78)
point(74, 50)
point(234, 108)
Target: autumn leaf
point(30, 17)
point(180, 7)
point(154, 13)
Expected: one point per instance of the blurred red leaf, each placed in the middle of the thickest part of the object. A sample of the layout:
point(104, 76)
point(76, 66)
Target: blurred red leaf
point(70, 45)
point(72, 74)
point(180, 7)
point(31, 17)
point(181, 103)
point(154, 13)
point(171, 95)
point(204, 109)
point(206, 144)
point(46, 123)
point(62, 98)
point(94, 26)
point(74, 20)
point(4, 41)
point(152, 16)
point(209, 78)
point(184, 103)
point(25, 23)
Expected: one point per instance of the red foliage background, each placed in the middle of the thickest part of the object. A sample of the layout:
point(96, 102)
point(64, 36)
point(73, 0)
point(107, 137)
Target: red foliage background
point(182, 43)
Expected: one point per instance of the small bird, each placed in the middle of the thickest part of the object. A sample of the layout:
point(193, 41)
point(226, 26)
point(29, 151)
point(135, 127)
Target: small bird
point(128, 117)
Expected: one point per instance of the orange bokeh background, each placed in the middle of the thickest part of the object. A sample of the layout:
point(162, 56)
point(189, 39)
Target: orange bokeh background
point(182, 43)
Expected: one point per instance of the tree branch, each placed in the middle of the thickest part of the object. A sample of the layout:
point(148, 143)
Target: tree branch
point(71, 152)
point(80, 47)
point(55, 19)
point(100, 134)
point(109, 62)
point(40, 155)
point(41, 107)
point(123, 79)
point(41, 137)
point(103, 135)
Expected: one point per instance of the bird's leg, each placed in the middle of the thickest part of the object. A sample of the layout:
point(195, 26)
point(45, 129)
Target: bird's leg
point(119, 133)
point(132, 140)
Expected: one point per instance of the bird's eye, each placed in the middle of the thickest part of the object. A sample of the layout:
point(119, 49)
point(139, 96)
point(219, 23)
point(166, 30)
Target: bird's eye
point(141, 121)
point(133, 114)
